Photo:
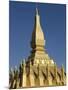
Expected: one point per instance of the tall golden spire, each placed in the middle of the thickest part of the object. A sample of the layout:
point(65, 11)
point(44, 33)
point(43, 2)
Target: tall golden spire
point(37, 35)
point(38, 54)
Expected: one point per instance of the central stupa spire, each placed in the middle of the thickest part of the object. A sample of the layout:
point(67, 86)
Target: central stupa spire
point(38, 53)
point(37, 35)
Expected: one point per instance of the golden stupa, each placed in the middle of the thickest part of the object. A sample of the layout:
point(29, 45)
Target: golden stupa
point(39, 69)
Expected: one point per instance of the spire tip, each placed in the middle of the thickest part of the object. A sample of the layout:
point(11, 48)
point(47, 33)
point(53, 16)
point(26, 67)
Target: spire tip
point(36, 10)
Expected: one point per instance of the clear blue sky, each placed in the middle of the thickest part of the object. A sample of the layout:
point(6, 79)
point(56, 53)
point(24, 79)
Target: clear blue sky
point(53, 22)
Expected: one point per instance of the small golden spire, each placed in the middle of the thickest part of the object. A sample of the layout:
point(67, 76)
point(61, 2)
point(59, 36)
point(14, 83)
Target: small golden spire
point(11, 70)
point(55, 70)
point(15, 67)
point(16, 71)
point(55, 64)
point(62, 67)
point(62, 70)
point(30, 67)
point(24, 66)
point(30, 63)
point(24, 62)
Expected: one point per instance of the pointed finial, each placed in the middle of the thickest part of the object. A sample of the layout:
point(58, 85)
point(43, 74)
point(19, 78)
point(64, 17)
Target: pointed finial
point(24, 66)
point(15, 67)
point(55, 67)
point(36, 10)
point(55, 64)
point(11, 70)
point(24, 62)
point(62, 67)
point(30, 67)
point(21, 64)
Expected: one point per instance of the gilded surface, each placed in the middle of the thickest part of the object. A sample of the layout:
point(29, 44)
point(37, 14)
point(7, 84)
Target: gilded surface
point(39, 69)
